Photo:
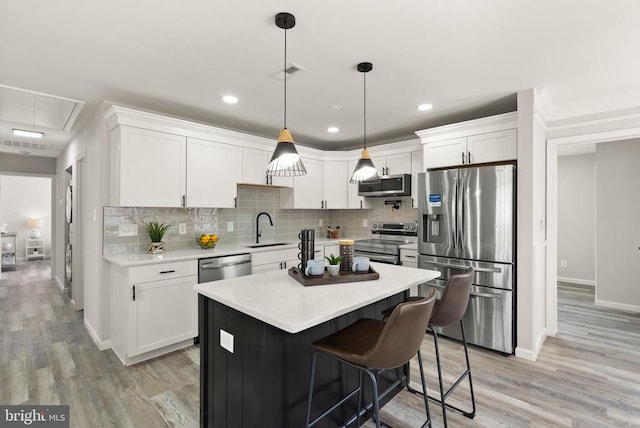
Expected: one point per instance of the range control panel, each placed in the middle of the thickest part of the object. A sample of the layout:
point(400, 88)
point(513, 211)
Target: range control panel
point(410, 228)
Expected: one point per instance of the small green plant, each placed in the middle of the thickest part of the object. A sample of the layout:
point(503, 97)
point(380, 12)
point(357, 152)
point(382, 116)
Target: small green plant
point(333, 260)
point(156, 230)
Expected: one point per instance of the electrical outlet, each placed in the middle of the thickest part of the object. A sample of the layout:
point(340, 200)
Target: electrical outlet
point(563, 263)
point(182, 228)
point(226, 340)
point(320, 222)
point(229, 226)
point(364, 222)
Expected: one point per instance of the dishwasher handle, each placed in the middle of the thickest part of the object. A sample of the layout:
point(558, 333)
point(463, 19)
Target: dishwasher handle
point(224, 261)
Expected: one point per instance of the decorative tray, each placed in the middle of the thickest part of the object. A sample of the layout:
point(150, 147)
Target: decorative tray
point(303, 279)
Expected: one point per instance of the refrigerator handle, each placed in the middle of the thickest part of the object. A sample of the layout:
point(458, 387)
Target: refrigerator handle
point(454, 218)
point(461, 214)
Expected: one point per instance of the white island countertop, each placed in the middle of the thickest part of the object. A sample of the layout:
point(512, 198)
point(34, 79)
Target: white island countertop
point(279, 300)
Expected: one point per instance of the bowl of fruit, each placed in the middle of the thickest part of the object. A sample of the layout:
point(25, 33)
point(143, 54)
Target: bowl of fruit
point(207, 241)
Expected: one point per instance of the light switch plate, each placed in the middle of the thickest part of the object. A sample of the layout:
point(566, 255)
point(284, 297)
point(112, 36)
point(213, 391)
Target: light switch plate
point(229, 226)
point(226, 340)
point(182, 228)
point(320, 222)
point(128, 230)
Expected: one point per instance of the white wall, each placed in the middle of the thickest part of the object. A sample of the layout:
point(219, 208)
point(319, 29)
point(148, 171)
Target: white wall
point(618, 225)
point(531, 245)
point(22, 198)
point(577, 218)
point(91, 147)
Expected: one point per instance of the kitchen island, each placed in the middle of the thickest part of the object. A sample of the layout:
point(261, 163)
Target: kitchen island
point(255, 343)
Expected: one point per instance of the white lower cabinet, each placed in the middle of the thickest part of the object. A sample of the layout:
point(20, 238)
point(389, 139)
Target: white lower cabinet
point(409, 258)
point(154, 309)
point(267, 261)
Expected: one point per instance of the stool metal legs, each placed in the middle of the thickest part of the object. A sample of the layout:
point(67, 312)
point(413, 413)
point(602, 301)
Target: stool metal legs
point(443, 395)
point(373, 375)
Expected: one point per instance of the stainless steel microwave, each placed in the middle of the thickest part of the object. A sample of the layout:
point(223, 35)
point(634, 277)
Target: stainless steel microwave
point(389, 185)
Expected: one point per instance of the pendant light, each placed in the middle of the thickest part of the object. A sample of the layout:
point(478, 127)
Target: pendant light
point(285, 160)
point(365, 171)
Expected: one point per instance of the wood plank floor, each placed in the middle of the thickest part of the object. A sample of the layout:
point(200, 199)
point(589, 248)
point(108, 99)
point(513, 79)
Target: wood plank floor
point(588, 376)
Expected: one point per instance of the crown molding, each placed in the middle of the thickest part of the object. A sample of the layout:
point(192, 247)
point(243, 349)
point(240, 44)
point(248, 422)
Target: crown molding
point(483, 125)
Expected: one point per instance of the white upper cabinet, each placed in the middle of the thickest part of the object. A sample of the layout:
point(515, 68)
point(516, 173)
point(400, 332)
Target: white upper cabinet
point(212, 174)
point(336, 182)
point(417, 166)
point(398, 163)
point(490, 139)
point(148, 168)
point(308, 190)
point(254, 168)
point(493, 146)
point(254, 165)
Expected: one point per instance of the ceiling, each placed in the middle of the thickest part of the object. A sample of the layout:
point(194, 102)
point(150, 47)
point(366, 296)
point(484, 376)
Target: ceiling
point(467, 58)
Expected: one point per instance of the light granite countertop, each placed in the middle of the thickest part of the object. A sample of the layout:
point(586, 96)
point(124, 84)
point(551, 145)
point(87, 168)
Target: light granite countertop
point(196, 253)
point(279, 300)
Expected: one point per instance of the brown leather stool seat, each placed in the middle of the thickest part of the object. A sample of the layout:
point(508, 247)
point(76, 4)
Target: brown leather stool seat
point(450, 308)
point(373, 346)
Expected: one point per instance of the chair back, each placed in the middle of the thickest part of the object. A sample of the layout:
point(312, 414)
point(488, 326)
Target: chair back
point(454, 300)
point(402, 334)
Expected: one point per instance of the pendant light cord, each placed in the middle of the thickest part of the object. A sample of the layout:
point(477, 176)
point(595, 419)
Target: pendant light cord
point(365, 110)
point(284, 70)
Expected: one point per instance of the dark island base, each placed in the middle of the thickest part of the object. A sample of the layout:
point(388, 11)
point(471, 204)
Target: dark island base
point(265, 381)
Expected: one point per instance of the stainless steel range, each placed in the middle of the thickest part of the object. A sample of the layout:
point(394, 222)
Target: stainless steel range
point(385, 245)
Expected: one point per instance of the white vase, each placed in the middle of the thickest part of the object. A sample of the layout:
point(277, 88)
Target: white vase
point(333, 270)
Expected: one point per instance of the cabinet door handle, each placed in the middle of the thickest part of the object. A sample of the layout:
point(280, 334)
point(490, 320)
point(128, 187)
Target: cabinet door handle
point(462, 153)
point(285, 265)
point(410, 257)
point(235, 202)
point(361, 208)
point(133, 293)
point(326, 205)
point(322, 205)
point(469, 157)
point(168, 271)
point(184, 201)
point(412, 203)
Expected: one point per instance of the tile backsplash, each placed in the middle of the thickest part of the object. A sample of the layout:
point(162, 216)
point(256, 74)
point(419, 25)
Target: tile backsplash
point(287, 223)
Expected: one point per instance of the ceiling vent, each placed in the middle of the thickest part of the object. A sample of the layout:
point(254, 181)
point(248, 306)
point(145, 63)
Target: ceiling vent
point(292, 69)
point(29, 145)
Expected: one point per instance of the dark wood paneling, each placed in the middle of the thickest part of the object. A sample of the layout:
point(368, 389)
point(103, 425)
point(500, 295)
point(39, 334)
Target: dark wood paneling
point(265, 382)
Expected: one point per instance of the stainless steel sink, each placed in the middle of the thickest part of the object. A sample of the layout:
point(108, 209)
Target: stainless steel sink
point(273, 244)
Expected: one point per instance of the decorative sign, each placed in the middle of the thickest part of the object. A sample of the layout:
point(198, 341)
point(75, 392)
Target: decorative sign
point(435, 200)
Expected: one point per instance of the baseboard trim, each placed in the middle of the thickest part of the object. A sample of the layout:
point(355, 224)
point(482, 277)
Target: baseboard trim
point(532, 354)
point(577, 281)
point(101, 344)
point(616, 305)
point(59, 284)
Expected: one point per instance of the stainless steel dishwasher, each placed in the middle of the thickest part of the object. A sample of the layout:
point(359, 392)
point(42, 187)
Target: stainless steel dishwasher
point(223, 267)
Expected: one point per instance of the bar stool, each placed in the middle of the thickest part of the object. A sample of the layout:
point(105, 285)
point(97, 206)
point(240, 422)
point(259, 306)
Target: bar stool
point(448, 309)
point(373, 346)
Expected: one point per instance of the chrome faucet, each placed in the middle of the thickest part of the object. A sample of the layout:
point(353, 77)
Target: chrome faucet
point(258, 234)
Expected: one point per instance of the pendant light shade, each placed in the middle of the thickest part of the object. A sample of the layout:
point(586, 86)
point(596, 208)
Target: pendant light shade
point(365, 171)
point(285, 160)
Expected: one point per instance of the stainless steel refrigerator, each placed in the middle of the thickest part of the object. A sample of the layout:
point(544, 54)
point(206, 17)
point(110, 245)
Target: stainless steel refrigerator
point(467, 218)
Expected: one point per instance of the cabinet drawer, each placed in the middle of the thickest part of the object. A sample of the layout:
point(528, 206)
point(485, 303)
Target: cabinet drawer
point(408, 256)
point(159, 271)
point(273, 256)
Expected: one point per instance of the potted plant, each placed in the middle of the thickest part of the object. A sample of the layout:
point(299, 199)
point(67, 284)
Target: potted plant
point(156, 232)
point(334, 264)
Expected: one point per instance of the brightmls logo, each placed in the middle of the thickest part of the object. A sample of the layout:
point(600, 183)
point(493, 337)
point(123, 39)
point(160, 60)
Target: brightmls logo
point(36, 416)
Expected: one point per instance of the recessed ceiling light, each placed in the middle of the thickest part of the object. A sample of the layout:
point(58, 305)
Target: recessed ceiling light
point(230, 99)
point(24, 133)
point(425, 107)
point(333, 129)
